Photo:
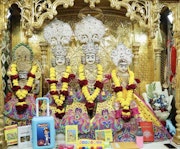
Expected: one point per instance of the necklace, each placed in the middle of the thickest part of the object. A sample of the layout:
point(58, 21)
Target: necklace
point(21, 93)
point(124, 100)
point(60, 97)
point(84, 83)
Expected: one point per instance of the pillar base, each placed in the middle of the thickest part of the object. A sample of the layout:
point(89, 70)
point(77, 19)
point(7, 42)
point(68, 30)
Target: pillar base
point(176, 140)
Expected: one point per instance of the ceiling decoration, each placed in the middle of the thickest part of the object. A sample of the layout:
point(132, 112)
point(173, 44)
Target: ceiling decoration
point(34, 13)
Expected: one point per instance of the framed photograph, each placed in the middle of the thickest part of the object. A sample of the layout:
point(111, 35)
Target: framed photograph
point(11, 134)
point(24, 136)
point(71, 134)
point(104, 135)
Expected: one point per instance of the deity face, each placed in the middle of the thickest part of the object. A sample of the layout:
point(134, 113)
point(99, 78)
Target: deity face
point(90, 58)
point(60, 60)
point(22, 54)
point(22, 75)
point(123, 67)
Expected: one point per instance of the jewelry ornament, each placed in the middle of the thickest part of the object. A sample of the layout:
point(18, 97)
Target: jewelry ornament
point(89, 29)
point(121, 53)
point(58, 33)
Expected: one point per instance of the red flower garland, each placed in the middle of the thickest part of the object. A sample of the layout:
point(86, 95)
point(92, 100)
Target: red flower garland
point(118, 88)
point(89, 105)
point(99, 84)
point(83, 82)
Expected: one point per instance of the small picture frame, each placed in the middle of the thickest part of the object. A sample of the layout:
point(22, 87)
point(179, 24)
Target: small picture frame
point(24, 136)
point(11, 134)
point(71, 134)
point(104, 135)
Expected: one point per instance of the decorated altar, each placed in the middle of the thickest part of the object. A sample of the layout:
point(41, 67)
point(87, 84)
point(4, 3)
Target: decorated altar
point(93, 60)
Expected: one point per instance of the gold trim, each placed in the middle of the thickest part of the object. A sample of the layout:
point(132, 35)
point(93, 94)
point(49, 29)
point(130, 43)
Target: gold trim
point(146, 13)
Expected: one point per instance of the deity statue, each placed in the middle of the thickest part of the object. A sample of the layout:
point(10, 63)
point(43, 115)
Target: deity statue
point(88, 33)
point(123, 82)
point(128, 106)
point(58, 35)
point(24, 84)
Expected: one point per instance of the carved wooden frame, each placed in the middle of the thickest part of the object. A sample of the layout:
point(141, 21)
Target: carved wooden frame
point(147, 13)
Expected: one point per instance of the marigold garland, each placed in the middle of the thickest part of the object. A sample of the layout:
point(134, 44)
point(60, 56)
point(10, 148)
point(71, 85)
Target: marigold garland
point(59, 98)
point(84, 83)
point(125, 102)
point(21, 93)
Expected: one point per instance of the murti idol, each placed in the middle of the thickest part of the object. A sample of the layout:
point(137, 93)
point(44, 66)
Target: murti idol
point(92, 94)
point(97, 98)
point(89, 31)
point(58, 34)
point(90, 75)
point(128, 106)
point(24, 85)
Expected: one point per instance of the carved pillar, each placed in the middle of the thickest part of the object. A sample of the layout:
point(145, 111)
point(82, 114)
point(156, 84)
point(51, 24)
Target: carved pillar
point(157, 71)
point(136, 46)
point(176, 138)
point(2, 139)
point(176, 29)
point(3, 144)
point(44, 61)
point(3, 26)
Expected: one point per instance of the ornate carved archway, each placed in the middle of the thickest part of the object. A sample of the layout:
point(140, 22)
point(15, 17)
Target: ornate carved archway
point(146, 13)
point(34, 13)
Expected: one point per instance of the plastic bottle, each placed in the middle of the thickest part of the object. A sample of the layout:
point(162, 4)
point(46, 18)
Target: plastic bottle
point(139, 137)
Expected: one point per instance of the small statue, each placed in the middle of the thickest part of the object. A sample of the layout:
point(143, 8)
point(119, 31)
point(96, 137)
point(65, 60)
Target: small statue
point(89, 31)
point(24, 84)
point(132, 110)
point(124, 82)
point(90, 77)
point(58, 34)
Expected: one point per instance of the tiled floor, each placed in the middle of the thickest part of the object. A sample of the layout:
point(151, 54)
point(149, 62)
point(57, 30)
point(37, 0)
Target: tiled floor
point(153, 145)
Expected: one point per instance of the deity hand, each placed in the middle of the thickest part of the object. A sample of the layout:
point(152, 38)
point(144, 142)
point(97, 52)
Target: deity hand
point(126, 113)
point(126, 116)
point(118, 114)
point(117, 109)
point(8, 97)
point(36, 87)
point(90, 106)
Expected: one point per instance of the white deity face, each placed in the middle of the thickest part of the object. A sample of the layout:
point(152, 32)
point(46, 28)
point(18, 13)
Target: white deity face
point(90, 58)
point(22, 54)
point(60, 60)
point(123, 66)
point(22, 75)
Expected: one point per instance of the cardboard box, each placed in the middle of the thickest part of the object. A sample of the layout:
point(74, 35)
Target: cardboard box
point(124, 145)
